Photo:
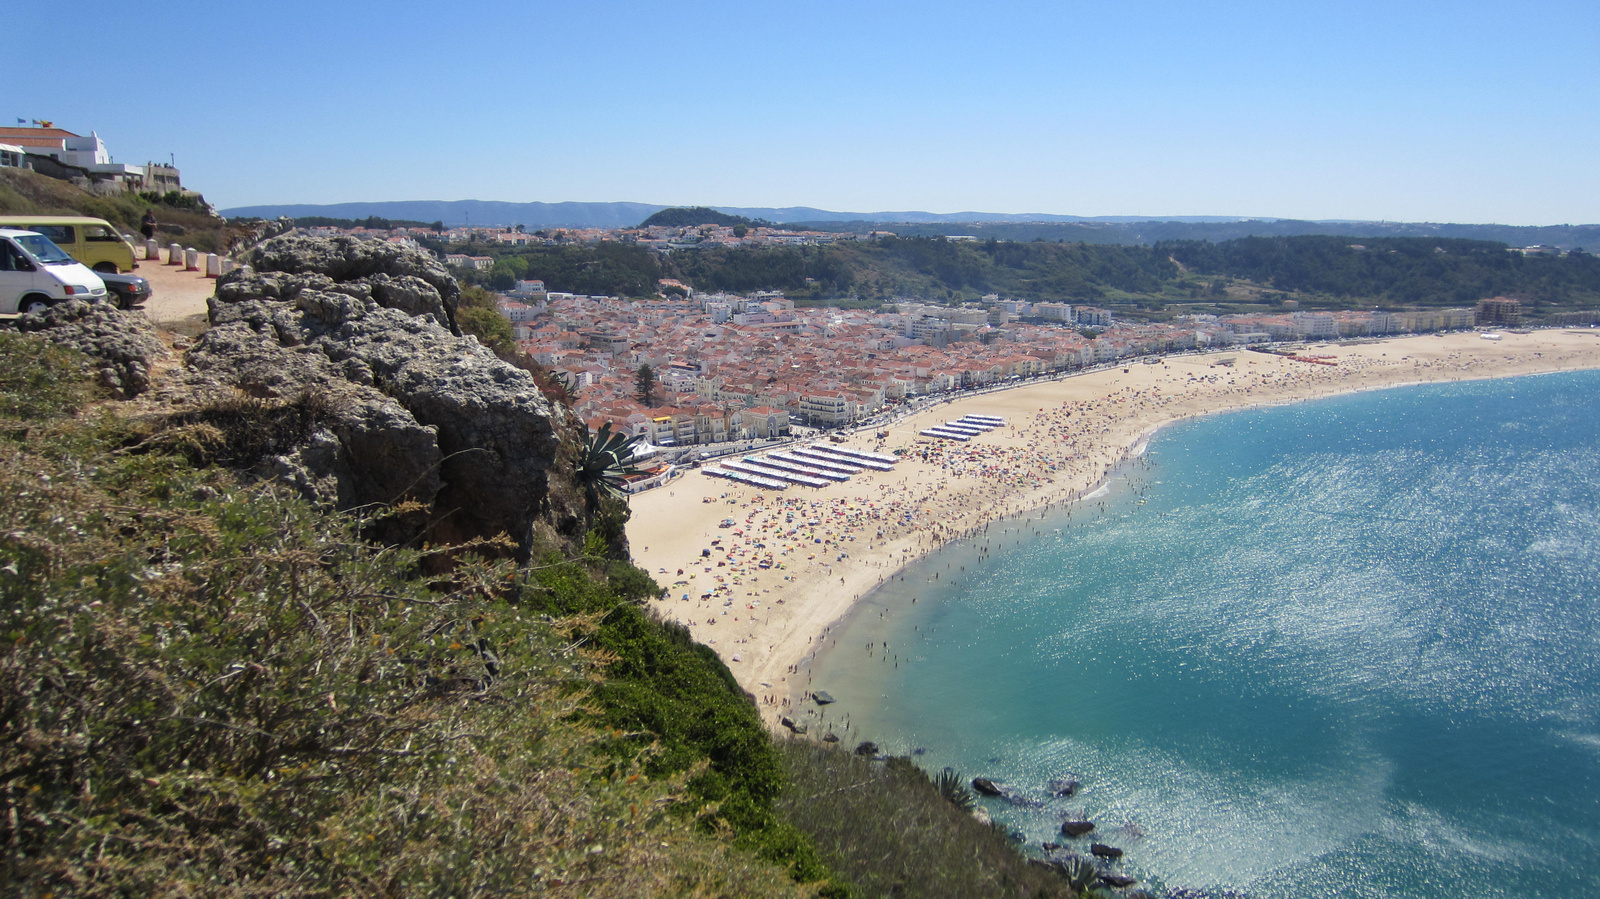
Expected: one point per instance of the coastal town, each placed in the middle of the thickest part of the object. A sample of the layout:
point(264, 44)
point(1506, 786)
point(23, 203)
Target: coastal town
point(741, 367)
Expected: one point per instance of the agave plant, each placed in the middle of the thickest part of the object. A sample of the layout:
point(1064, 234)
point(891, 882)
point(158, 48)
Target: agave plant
point(606, 463)
point(953, 789)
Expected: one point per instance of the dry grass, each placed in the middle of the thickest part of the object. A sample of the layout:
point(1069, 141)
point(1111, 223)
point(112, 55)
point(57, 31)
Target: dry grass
point(209, 688)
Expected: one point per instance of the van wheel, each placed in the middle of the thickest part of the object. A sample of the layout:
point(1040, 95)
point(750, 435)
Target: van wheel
point(110, 267)
point(33, 303)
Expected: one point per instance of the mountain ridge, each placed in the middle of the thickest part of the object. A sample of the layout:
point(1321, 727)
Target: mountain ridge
point(1117, 229)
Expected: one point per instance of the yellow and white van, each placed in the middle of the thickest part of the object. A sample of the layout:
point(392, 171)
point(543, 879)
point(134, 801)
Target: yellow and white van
point(35, 274)
point(93, 242)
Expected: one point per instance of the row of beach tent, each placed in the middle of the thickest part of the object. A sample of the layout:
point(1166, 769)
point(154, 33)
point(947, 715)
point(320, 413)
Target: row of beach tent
point(965, 428)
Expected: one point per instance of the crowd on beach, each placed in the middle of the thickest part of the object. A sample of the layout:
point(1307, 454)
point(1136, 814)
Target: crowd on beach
point(748, 587)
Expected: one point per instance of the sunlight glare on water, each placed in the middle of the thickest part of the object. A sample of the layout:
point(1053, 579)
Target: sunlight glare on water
point(1345, 648)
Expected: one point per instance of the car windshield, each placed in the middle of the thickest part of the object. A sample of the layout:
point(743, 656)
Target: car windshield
point(43, 249)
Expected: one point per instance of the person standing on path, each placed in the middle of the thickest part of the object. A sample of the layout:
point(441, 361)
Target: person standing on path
point(147, 225)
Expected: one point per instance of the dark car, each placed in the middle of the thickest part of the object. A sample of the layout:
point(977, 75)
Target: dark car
point(129, 291)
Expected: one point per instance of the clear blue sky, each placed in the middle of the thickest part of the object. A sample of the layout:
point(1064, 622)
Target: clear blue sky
point(1418, 111)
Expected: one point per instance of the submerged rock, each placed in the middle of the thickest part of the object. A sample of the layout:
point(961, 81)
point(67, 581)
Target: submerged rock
point(1064, 787)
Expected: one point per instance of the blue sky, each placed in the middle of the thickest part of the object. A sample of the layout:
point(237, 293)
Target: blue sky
point(1464, 111)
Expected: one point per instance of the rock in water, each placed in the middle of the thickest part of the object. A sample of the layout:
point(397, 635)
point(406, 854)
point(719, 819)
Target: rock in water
point(822, 697)
point(1076, 828)
point(1101, 850)
point(867, 747)
point(987, 787)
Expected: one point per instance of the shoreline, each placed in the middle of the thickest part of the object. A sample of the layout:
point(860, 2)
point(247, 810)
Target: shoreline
point(1062, 441)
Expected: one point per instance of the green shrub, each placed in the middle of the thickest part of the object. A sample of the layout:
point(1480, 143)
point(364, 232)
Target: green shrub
point(667, 694)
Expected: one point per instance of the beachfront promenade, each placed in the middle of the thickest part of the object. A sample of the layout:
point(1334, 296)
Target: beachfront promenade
point(794, 561)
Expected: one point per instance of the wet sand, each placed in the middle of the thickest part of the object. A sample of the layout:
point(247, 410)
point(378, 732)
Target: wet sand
point(824, 548)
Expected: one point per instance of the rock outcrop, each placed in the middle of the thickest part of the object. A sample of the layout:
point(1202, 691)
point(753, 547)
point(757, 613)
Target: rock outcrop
point(123, 345)
point(402, 410)
point(384, 273)
point(411, 412)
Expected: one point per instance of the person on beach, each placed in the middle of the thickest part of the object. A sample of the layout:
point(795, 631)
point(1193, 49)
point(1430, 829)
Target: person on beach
point(147, 225)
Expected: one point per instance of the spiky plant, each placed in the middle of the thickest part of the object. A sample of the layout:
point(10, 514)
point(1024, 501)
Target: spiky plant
point(606, 464)
point(1083, 876)
point(954, 790)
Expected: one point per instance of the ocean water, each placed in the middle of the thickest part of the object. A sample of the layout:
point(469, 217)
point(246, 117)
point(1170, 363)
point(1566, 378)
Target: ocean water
point(1344, 648)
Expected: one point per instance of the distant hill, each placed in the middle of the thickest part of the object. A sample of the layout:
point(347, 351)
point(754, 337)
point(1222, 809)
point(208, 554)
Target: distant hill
point(690, 216)
point(627, 215)
point(1138, 233)
point(1107, 229)
point(456, 213)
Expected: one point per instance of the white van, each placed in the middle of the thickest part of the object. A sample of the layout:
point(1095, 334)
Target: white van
point(35, 273)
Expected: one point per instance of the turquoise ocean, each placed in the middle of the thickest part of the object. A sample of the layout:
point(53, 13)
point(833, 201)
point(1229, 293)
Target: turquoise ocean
point(1342, 648)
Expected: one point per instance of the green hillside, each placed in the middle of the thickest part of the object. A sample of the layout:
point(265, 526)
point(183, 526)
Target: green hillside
point(182, 218)
point(1154, 281)
point(690, 216)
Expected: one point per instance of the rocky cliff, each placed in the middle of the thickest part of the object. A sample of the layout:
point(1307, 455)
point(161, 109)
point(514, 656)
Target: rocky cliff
point(402, 410)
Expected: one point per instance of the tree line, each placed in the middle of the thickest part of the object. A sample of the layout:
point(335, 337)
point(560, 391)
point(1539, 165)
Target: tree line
point(1400, 270)
point(1341, 270)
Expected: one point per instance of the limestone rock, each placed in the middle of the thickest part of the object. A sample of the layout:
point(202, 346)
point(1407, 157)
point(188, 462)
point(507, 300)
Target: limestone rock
point(123, 344)
point(384, 273)
point(415, 412)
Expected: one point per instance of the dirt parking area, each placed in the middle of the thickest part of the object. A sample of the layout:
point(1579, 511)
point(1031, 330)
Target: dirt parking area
point(177, 296)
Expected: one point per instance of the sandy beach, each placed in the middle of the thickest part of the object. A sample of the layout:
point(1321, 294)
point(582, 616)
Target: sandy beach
point(764, 591)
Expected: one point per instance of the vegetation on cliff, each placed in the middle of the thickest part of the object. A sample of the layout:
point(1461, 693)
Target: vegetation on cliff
point(212, 685)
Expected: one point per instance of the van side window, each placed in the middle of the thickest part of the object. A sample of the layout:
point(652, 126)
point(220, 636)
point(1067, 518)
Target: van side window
point(8, 256)
point(58, 234)
point(100, 233)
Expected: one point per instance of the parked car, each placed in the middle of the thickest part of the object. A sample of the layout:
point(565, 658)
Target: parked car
point(93, 242)
point(130, 291)
point(35, 274)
